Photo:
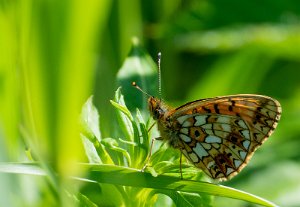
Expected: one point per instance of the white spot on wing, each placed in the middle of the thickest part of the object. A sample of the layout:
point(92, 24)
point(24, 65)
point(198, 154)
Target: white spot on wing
point(229, 170)
point(246, 134)
point(181, 119)
point(187, 124)
point(209, 131)
point(223, 119)
point(243, 154)
point(242, 124)
point(185, 138)
point(184, 131)
point(246, 144)
point(200, 151)
point(194, 157)
point(213, 139)
point(226, 127)
point(206, 146)
point(200, 120)
point(237, 163)
point(185, 153)
point(207, 126)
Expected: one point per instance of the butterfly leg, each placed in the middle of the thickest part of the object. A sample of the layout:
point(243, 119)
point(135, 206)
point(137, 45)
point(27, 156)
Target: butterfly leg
point(150, 151)
point(151, 127)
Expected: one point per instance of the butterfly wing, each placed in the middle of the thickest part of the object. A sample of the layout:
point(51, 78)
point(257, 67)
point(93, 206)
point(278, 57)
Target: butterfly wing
point(219, 135)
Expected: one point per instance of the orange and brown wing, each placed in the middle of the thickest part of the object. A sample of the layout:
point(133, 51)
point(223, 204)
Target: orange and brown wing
point(219, 135)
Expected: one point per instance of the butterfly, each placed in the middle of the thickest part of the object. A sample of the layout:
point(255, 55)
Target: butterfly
point(218, 135)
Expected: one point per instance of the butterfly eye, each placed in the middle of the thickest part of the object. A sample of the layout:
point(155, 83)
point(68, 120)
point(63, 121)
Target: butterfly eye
point(156, 113)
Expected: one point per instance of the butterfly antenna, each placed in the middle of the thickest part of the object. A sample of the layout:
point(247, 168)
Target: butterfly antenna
point(159, 73)
point(137, 87)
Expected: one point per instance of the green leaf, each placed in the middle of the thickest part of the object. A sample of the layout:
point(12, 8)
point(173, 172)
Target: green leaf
point(91, 135)
point(187, 199)
point(123, 109)
point(90, 150)
point(143, 129)
point(90, 119)
point(128, 143)
point(140, 68)
point(112, 144)
point(144, 137)
point(128, 126)
point(124, 176)
point(132, 177)
point(85, 201)
point(123, 115)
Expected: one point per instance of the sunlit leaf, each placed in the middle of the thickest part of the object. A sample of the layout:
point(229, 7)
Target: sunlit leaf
point(117, 175)
point(140, 68)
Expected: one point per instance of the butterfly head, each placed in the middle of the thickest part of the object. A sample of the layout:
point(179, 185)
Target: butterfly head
point(156, 108)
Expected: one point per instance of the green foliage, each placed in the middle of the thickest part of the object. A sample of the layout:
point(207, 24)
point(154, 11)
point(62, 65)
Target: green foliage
point(55, 54)
point(142, 187)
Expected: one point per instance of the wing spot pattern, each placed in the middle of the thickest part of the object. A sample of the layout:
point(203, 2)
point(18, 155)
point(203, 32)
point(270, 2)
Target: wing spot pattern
point(220, 134)
point(200, 151)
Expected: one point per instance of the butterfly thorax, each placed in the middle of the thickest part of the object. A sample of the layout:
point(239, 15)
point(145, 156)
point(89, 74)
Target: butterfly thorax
point(162, 114)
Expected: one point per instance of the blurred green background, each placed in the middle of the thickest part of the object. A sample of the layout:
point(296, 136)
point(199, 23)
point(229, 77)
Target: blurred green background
point(54, 54)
